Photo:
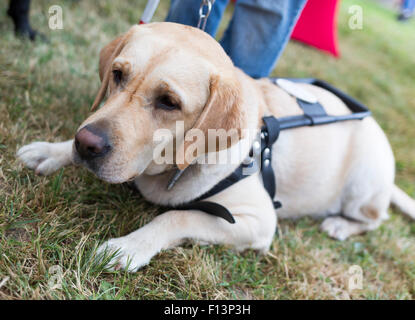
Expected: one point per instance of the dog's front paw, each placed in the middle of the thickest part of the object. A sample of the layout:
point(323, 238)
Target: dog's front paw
point(125, 253)
point(44, 157)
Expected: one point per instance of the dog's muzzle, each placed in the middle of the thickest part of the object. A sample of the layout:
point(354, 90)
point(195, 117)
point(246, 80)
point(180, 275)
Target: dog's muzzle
point(91, 142)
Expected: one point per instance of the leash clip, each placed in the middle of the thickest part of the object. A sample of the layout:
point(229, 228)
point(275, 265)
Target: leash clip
point(174, 179)
point(203, 16)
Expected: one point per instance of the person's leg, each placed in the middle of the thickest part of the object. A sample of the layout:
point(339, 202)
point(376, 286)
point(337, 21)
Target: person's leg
point(187, 12)
point(19, 12)
point(407, 10)
point(258, 33)
point(409, 5)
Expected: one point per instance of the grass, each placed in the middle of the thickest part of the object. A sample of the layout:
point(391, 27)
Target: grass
point(46, 91)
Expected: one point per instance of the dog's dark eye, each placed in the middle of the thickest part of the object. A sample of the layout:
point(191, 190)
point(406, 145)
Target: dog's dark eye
point(167, 103)
point(117, 76)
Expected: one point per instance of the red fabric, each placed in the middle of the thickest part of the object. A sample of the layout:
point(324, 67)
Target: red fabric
point(317, 25)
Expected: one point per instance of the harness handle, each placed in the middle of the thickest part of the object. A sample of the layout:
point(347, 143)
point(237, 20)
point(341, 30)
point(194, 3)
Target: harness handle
point(149, 11)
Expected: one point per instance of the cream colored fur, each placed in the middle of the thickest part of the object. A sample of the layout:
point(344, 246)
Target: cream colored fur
point(342, 172)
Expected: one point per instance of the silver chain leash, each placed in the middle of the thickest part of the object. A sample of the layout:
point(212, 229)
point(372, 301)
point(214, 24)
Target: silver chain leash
point(204, 12)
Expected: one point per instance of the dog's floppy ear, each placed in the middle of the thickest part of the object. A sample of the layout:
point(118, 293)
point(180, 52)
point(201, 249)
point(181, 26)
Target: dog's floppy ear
point(106, 57)
point(223, 110)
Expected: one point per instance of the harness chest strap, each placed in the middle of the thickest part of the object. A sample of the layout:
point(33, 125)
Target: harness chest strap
point(269, 134)
point(314, 114)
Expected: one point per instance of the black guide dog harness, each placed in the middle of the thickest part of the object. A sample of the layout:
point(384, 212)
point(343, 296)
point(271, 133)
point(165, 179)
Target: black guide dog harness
point(314, 114)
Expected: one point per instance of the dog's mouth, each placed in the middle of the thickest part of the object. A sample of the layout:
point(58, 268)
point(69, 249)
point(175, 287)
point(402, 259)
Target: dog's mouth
point(97, 167)
point(114, 171)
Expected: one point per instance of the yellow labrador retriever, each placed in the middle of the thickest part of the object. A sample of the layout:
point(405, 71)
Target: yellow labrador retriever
point(158, 74)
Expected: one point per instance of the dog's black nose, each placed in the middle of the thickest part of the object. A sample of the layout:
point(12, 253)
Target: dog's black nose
point(91, 142)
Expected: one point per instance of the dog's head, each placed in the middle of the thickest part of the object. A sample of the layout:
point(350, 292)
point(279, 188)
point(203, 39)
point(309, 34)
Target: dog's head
point(155, 75)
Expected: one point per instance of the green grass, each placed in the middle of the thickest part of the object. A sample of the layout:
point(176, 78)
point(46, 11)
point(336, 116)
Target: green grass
point(46, 90)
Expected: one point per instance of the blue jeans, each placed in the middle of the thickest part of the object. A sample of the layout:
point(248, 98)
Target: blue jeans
point(257, 33)
point(408, 5)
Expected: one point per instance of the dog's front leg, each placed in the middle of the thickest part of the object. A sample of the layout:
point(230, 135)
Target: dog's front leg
point(44, 157)
point(173, 227)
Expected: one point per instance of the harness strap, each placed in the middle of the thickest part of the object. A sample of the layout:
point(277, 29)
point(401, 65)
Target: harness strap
point(233, 178)
point(212, 208)
point(269, 134)
point(312, 110)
